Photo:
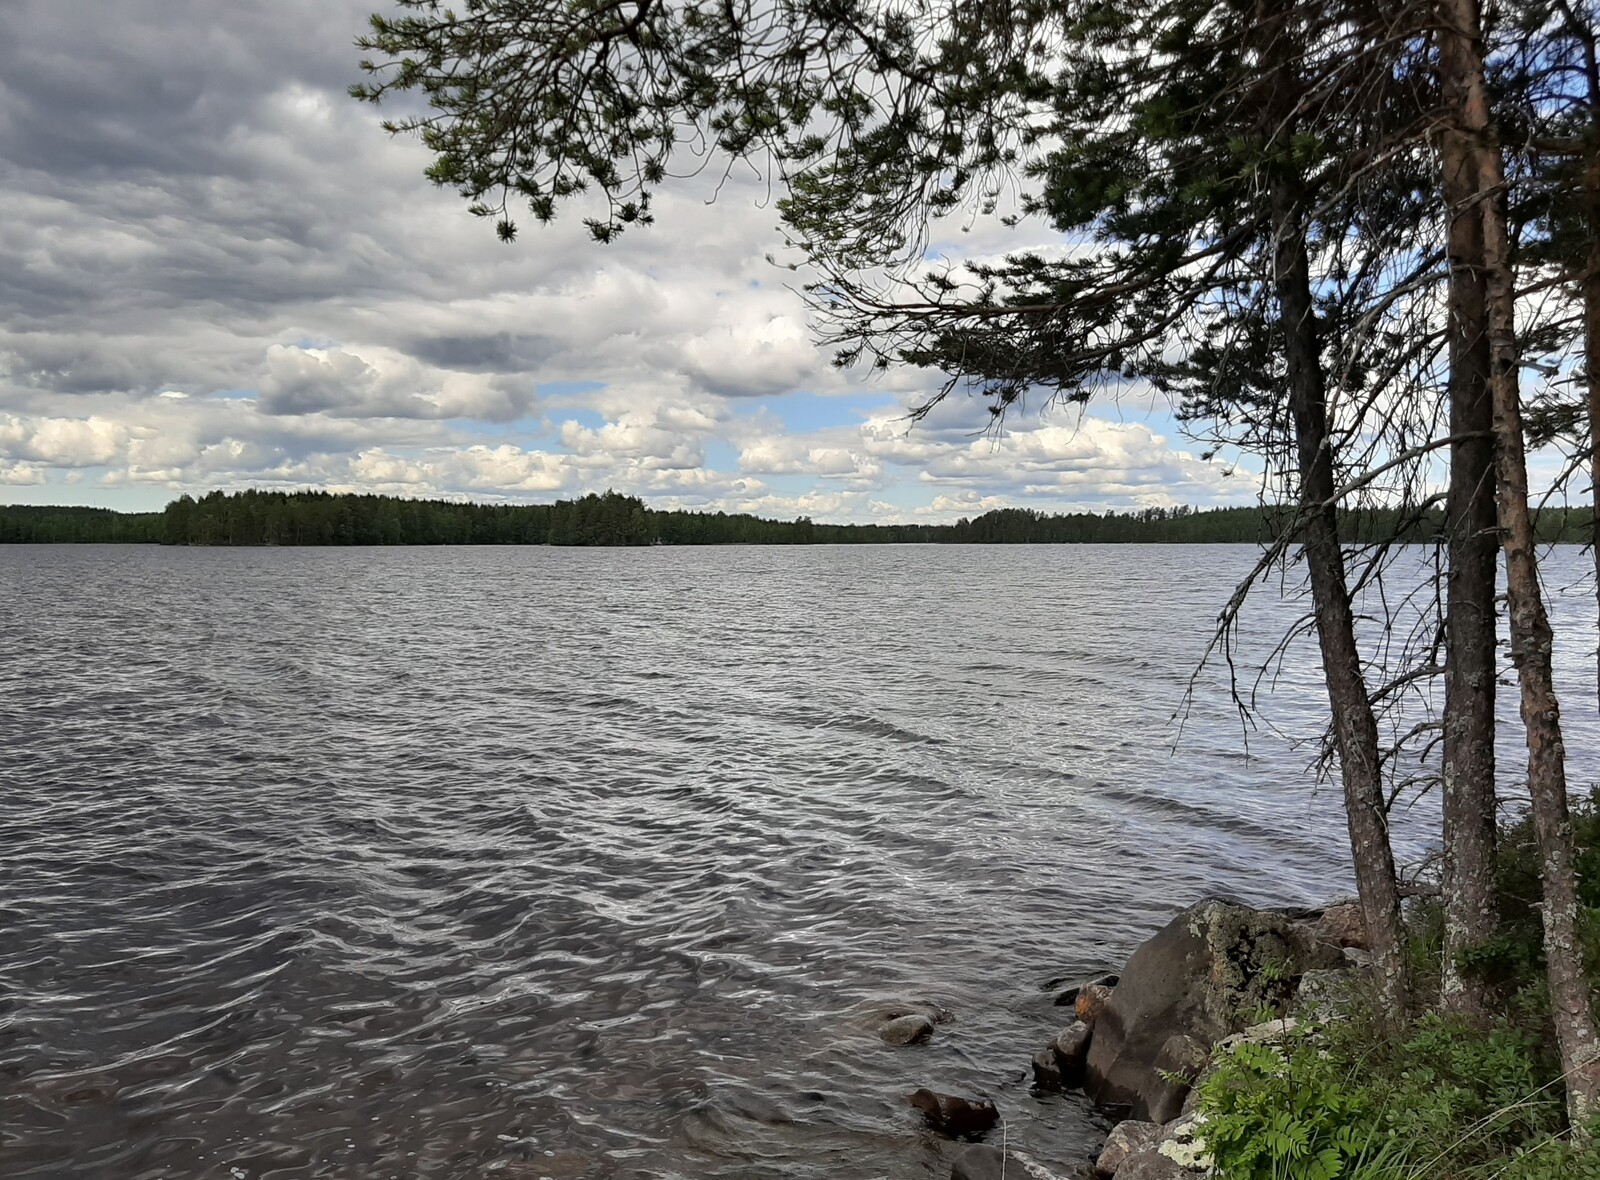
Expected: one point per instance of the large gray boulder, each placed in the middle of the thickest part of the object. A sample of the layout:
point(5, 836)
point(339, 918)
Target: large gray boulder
point(1200, 978)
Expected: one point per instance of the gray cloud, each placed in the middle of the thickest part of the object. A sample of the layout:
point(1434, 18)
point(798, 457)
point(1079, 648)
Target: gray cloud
point(216, 270)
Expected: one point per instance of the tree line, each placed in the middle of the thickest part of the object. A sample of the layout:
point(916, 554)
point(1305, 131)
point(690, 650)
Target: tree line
point(1351, 238)
point(326, 518)
point(39, 524)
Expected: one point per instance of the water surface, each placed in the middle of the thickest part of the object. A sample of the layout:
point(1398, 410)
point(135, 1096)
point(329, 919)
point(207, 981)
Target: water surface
point(605, 863)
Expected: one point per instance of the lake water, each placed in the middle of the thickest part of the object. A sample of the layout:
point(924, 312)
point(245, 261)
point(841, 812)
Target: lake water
point(605, 863)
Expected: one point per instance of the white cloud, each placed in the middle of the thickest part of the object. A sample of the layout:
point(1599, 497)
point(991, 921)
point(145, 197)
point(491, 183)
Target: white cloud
point(64, 442)
point(239, 279)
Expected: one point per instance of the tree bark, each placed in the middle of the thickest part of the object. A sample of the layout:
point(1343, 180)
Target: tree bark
point(1591, 356)
point(1468, 788)
point(1531, 637)
point(1355, 730)
point(1582, 30)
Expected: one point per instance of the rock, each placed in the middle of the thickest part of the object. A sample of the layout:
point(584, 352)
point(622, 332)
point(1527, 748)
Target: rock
point(1183, 1143)
point(1267, 1033)
point(1356, 957)
point(1321, 994)
point(1071, 1048)
point(1126, 1138)
point(906, 1030)
point(1191, 1102)
point(1046, 1069)
point(959, 1118)
point(1070, 996)
point(983, 1162)
point(1092, 1001)
point(1341, 926)
point(1177, 1065)
point(1198, 977)
point(1150, 1164)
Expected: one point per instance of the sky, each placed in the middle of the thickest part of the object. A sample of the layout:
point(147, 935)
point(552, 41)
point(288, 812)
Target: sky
point(217, 271)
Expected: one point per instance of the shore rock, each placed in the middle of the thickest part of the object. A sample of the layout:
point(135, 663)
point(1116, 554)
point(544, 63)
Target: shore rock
point(1340, 925)
point(1177, 1065)
point(1322, 994)
point(906, 1030)
point(1127, 1138)
point(952, 1115)
point(1150, 1164)
point(1183, 1143)
point(1046, 1069)
point(1092, 1001)
point(1071, 1049)
point(1198, 978)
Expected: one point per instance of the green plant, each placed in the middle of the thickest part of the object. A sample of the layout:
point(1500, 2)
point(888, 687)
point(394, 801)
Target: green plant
point(1284, 1112)
point(1438, 1098)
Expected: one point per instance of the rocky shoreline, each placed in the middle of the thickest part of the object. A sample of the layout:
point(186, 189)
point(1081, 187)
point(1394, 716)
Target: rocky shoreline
point(1219, 974)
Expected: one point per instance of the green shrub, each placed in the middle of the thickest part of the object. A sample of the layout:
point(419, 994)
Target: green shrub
point(1438, 1099)
point(1285, 1111)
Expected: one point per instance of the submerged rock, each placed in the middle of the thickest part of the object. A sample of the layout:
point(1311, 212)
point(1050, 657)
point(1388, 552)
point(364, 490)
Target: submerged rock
point(906, 1030)
point(952, 1115)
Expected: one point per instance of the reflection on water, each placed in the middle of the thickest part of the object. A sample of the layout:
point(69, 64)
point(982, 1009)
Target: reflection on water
point(543, 863)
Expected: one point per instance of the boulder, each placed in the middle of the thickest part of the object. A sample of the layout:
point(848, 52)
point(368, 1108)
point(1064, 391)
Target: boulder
point(1071, 1049)
point(1150, 1164)
point(1199, 977)
point(1321, 994)
point(1339, 925)
point(952, 1115)
point(1269, 1032)
point(1126, 1138)
point(1177, 1065)
point(1092, 1001)
point(906, 1030)
point(1183, 1143)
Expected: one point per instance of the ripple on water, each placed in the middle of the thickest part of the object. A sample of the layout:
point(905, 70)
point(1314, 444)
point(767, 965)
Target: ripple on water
point(532, 863)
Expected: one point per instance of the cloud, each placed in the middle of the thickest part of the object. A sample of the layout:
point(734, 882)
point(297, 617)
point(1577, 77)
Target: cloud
point(218, 271)
point(801, 455)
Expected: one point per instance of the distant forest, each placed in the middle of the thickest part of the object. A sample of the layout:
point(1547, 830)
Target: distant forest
point(323, 518)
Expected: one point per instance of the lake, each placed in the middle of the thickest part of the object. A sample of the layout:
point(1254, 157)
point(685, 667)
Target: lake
point(606, 863)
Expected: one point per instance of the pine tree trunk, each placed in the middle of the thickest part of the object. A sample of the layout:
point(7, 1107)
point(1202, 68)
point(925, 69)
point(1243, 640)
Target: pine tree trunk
point(1470, 917)
point(1591, 364)
point(1580, 27)
point(1355, 730)
point(1531, 637)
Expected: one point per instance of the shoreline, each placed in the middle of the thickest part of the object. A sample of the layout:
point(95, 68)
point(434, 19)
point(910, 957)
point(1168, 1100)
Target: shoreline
point(1138, 1042)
